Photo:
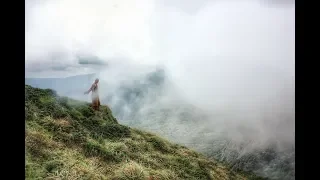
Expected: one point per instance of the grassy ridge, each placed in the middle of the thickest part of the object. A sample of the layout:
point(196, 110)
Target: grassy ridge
point(66, 139)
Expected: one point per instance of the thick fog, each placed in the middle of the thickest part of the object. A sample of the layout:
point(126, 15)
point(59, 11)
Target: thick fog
point(231, 61)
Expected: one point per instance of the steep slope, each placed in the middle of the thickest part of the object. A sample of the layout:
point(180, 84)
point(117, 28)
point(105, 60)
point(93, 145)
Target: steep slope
point(66, 139)
point(144, 102)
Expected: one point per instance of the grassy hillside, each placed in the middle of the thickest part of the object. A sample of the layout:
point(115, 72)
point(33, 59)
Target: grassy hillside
point(66, 139)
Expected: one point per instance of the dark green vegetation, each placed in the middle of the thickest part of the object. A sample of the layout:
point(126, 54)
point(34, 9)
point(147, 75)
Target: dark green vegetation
point(66, 139)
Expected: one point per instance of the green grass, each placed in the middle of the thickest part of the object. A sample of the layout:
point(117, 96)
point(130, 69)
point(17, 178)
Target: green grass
point(66, 139)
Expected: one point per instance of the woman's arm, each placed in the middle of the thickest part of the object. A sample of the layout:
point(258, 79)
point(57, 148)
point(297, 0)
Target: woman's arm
point(87, 92)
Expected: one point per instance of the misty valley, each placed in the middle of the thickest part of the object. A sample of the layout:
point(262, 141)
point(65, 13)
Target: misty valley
point(151, 102)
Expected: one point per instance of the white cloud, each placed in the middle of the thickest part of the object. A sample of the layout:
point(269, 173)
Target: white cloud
point(104, 28)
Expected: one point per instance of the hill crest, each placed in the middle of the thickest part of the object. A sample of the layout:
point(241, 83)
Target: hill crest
point(66, 139)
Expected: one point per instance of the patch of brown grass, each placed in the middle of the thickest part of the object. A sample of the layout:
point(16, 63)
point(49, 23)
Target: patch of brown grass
point(131, 171)
point(62, 122)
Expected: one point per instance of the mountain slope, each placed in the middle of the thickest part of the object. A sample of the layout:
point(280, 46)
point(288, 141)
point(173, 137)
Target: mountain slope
point(66, 139)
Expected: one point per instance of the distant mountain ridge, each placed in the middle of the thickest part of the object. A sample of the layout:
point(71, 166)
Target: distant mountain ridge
point(64, 86)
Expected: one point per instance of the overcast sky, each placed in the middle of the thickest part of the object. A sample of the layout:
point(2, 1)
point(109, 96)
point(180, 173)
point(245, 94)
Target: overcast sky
point(166, 32)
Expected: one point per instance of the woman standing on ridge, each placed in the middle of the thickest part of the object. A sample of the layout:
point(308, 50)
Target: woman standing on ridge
point(94, 95)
